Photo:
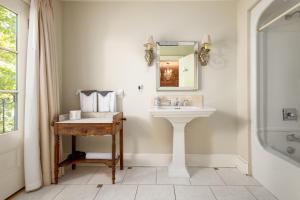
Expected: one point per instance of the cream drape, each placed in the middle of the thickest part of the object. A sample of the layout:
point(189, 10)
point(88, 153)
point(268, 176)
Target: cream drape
point(49, 88)
point(42, 97)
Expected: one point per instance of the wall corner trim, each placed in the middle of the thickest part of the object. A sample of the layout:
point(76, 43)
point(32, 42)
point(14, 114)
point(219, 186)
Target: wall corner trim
point(241, 164)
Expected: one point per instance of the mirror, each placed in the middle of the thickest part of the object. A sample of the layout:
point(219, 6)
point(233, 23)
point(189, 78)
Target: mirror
point(177, 66)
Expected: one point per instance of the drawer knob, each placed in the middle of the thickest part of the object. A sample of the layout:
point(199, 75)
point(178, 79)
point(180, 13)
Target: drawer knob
point(84, 130)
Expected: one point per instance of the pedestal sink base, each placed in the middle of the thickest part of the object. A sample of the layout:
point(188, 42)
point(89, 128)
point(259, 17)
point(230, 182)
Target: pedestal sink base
point(177, 167)
point(178, 172)
point(179, 117)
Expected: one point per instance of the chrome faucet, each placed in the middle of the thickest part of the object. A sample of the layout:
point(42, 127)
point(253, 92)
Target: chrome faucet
point(177, 103)
point(292, 138)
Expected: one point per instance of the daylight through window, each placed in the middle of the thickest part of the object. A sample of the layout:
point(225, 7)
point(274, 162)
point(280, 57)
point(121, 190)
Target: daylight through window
point(8, 70)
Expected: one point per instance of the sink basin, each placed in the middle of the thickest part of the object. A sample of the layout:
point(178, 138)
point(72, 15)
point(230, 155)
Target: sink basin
point(182, 111)
point(179, 117)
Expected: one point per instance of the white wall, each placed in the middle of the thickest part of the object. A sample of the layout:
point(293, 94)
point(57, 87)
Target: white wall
point(57, 12)
point(103, 48)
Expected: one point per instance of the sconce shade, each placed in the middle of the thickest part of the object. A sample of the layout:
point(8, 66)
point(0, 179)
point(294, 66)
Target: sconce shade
point(150, 40)
point(150, 43)
point(206, 39)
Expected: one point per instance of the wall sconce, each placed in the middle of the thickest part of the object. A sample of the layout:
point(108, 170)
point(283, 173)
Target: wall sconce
point(149, 54)
point(204, 50)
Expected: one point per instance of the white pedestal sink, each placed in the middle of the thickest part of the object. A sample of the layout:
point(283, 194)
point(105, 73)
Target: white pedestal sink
point(179, 117)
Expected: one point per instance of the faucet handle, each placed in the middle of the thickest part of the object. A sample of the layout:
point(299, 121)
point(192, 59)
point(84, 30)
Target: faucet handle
point(169, 101)
point(177, 101)
point(157, 101)
point(185, 102)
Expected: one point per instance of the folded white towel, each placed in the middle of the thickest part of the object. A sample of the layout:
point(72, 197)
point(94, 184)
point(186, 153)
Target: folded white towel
point(88, 103)
point(94, 155)
point(104, 103)
point(113, 102)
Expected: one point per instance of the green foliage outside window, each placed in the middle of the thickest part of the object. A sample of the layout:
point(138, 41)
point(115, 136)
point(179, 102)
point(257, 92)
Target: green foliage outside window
point(8, 66)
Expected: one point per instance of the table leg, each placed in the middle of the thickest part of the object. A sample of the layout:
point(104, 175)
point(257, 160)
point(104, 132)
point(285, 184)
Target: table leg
point(56, 158)
point(113, 158)
point(121, 150)
point(73, 150)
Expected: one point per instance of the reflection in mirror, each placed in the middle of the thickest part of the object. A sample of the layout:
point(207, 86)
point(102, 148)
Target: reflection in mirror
point(177, 66)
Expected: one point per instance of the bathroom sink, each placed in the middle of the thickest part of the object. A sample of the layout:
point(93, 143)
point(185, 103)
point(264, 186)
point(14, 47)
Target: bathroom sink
point(182, 111)
point(179, 117)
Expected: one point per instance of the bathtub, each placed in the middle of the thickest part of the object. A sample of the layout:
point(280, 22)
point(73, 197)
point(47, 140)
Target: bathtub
point(285, 144)
point(271, 163)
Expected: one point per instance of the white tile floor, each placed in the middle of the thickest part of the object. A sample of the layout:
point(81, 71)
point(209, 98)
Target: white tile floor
point(151, 183)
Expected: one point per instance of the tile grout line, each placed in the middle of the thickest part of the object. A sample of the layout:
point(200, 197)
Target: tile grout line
point(64, 187)
point(190, 176)
point(97, 193)
point(268, 191)
point(221, 178)
point(125, 172)
point(250, 192)
point(136, 191)
point(246, 186)
point(212, 191)
point(94, 173)
point(156, 176)
point(174, 191)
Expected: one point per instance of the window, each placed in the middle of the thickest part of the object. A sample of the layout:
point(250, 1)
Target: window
point(8, 70)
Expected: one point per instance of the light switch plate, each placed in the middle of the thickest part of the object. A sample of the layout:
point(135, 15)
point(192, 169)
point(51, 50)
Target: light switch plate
point(289, 114)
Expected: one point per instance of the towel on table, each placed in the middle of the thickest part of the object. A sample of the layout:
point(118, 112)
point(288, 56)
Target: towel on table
point(107, 102)
point(103, 103)
point(95, 155)
point(113, 102)
point(88, 102)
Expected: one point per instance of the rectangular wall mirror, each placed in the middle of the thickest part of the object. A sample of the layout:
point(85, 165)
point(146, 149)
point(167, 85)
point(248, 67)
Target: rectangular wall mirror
point(177, 66)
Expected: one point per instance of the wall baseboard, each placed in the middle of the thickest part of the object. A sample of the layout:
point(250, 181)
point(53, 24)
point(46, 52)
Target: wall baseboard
point(193, 160)
point(242, 164)
point(203, 160)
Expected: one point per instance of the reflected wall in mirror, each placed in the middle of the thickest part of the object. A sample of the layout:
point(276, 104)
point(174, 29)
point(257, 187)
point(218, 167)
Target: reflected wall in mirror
point(177, 66)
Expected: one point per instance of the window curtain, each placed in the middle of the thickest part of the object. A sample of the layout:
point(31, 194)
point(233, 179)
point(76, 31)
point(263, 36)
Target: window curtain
point(41, 96)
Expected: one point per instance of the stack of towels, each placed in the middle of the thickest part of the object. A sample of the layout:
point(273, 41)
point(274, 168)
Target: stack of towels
point(98, 101)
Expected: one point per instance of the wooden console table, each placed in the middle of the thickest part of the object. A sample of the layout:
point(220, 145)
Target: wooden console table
point(108, 124)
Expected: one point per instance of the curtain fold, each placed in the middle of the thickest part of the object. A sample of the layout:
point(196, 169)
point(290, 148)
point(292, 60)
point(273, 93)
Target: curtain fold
point(49, 88)
point(32, 165)
point(42, 96)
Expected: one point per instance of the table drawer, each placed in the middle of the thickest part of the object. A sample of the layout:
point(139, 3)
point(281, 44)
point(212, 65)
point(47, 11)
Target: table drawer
point(84, 131)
